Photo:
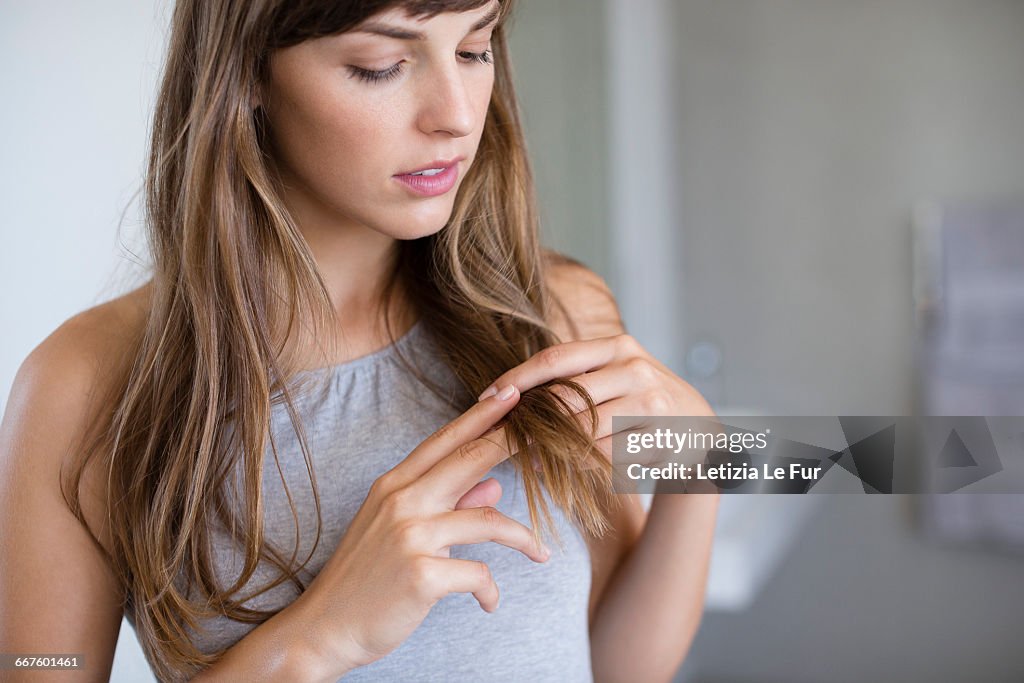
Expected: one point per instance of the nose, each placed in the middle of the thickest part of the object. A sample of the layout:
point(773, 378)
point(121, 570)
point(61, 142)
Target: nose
point(447, 106)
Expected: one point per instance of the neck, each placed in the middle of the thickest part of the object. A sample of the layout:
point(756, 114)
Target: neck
point(355, 263)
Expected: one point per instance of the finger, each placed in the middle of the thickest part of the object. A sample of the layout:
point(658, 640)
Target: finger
point(463, 429)
point(607, 383)
point(564, 360)
point(464, 576)
point(630, 409)
point(451, 477)
point(631, 420)
point(482, 524)
point(487, 492)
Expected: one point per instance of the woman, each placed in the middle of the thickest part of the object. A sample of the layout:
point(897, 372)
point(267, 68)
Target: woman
point(272, 457)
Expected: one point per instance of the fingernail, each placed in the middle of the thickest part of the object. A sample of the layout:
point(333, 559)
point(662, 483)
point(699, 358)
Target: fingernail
point(545, 552)
point(506, 393)
point(490, 391)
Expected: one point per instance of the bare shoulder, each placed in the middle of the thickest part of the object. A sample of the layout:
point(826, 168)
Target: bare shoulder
point(57, 386)
point(102, 332)
point(584, 306)
point(72, 358)
point(71, 363)
point(97, 334)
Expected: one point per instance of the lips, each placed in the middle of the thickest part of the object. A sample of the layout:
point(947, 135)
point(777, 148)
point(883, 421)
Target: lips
point(442, 177)
point(439, 163)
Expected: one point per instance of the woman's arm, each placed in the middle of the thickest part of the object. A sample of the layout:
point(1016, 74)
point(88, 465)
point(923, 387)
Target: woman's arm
point(649, 612)
point(57, 593)
point(279, 649)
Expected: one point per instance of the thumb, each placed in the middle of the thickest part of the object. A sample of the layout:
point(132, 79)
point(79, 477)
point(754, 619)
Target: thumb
point(485, 493)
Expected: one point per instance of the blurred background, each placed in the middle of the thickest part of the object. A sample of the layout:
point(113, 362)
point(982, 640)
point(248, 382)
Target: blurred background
point(804, 207)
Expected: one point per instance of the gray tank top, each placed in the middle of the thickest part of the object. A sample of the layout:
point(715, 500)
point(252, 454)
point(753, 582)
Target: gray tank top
point(362, 419)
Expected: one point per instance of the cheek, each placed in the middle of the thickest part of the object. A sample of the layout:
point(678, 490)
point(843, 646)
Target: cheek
point(483, 95)
point(321, 128)
point(329, 135)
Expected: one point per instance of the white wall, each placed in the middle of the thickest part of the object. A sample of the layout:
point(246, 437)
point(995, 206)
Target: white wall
point(77, 80)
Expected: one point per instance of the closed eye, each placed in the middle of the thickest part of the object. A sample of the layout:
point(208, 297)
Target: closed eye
point(485, 57)
point(376, 76)
point(393, 72)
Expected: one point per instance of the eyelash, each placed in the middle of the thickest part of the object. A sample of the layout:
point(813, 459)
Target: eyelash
point(485, 57)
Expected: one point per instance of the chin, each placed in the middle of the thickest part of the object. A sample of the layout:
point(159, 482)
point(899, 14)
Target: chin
point(415, 226)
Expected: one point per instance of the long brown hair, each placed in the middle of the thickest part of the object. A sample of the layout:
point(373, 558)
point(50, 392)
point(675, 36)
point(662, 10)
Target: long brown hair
point(233, 281)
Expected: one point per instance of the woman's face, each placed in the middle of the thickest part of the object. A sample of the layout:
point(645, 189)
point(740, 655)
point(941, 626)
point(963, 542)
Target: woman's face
point(342, 136)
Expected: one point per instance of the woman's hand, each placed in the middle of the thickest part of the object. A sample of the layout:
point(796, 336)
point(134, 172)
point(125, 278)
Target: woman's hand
point(393, 562)
point(621, 376)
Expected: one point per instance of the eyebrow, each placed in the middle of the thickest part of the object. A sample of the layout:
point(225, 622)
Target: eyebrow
point(403, 34)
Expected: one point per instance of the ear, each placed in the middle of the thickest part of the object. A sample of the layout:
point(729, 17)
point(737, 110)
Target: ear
point(256, 96)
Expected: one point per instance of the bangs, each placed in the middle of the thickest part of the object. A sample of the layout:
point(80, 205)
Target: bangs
point(294, 22)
